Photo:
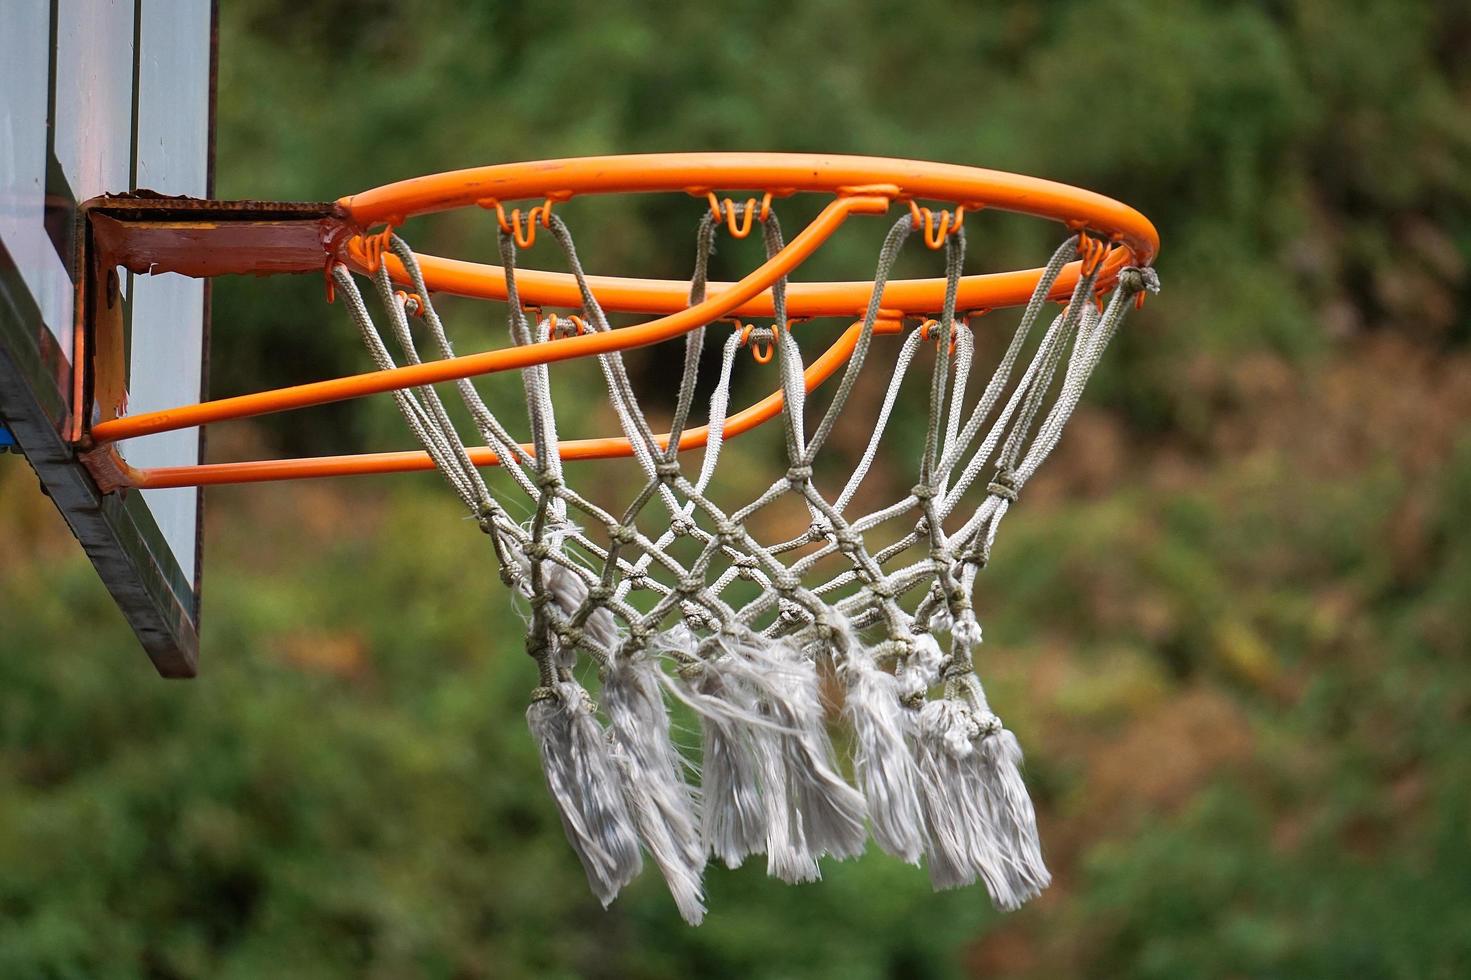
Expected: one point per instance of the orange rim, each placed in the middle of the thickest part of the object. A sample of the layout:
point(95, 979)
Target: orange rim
point(781, 174)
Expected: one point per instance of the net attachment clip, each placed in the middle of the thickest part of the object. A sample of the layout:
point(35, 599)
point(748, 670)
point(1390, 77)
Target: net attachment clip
point(936, 230)
point(571, 325)
point(930, 330)
point(1092, 250)
point(762, 355)
point(413, 303)
point(524, 232)
point(373, 245)
point(726, 209)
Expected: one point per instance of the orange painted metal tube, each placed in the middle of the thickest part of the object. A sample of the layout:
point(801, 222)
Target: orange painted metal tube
point(780, 173)
point(971, 188)
point(262, 471)
point(915, 297)
point(432, 372)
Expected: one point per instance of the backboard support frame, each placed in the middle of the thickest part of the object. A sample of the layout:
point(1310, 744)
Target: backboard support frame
point(149, 234)
point(146, 233)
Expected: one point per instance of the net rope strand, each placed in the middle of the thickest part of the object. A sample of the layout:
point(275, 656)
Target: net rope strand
point(826, 593)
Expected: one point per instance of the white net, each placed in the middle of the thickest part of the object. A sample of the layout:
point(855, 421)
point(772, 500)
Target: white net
point(937, 775)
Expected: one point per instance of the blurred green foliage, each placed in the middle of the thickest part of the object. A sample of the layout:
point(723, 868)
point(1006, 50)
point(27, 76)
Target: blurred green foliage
point(1229, 622)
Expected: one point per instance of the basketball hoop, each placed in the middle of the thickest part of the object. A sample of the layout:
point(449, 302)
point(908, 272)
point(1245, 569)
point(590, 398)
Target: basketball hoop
point(938, 776)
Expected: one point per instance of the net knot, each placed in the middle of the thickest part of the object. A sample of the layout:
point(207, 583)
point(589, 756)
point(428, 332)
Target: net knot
point(1141, 281)
point(986, 724)
point(882, 588)
point(745, 566)
point(547, 480)
point(537, 550)
point(539, 598)
point(697, 617)
point(485, 514)
point(1138, 279)
point(820, 528)
point(599, 593)
point(667, 469)
point(680, 526)
point(690, 585)
point(621, 534)
point(569, 635)
point(1003, 485)
point(544, 694)
point(638, 638)
point(954, 666)
point(922, 491)
point(798, 476)
point(848, 542)
point(786, 582)
point(728, 532)
point(638, 579)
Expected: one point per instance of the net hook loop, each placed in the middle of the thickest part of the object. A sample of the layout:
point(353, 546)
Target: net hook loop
point(761, 355)
point(523, 232)
point(413, 303)
point(930, 330)
point(1092, 250)
point(726, 209)
point(935, 232)
point(374, 246)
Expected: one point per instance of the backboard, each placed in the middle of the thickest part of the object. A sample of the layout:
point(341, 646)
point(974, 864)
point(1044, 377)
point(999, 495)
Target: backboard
point(104, 97)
